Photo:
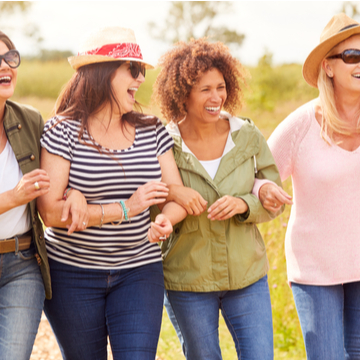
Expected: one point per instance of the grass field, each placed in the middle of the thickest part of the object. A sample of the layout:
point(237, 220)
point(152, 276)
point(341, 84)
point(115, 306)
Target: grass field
point(39, 85)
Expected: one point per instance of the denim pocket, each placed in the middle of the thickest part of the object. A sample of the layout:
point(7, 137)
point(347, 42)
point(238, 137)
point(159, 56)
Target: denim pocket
point(27, 254)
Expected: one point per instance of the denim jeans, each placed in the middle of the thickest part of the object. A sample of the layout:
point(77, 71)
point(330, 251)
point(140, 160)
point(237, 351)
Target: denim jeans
point(22, 297)
point(330, 320)
point(247, 313)
point(89, 305)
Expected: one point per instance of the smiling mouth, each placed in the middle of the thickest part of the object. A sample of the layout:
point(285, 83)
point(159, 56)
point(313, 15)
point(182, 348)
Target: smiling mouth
point(213, 109)
point(5, 80)
point(357, 76)
point(132, 92)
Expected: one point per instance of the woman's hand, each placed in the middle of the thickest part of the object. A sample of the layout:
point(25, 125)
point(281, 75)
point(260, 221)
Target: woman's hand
point(75, 205)
point(153, 192)
point(188, 198)
point(226, 207)
point(272, 197)
point(160, 229)
point(32, 185)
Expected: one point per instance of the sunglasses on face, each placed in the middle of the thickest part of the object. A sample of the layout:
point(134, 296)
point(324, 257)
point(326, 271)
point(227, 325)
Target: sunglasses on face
point(137, 68)
point(12, 58)
point(350, 56)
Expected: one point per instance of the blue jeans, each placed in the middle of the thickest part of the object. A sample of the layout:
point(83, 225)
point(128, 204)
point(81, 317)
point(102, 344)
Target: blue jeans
point(330, 320)
point(22, 297)
point(247, 313)
point(89, 305)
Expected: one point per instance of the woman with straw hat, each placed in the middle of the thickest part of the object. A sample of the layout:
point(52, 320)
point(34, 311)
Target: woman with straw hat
point(110, 163)
point(318, 145)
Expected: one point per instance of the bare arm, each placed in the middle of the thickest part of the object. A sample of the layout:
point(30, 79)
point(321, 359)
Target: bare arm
point(25, 190)
point(171, 213)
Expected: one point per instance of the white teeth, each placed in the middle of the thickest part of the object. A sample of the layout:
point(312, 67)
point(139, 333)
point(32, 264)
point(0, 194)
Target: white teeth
point(5, 78)
point(356, 75)
point(133, 89)
point(213, 108)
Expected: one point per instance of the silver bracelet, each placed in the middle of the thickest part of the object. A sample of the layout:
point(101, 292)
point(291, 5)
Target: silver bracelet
point(102, 216)
point(122, 216)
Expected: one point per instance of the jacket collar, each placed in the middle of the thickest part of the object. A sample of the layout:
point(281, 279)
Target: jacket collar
point(236, 151)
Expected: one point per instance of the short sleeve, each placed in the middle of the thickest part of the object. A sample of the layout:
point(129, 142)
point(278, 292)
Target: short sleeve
point(163, 140)
point(58, 137)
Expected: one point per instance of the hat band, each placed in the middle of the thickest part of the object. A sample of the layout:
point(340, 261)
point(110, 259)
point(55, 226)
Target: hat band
point(117, 51)
point(348, 27)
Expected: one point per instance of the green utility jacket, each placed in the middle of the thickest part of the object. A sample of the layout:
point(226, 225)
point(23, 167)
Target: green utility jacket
point(23, 126)
point(203, 255)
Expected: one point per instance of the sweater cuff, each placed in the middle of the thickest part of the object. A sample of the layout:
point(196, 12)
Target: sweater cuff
point(258, 183)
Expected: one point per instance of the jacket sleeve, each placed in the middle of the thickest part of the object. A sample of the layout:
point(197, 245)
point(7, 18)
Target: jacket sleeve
point(266, 169)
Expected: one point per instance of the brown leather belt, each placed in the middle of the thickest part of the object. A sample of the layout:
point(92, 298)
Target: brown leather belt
point(9, 245)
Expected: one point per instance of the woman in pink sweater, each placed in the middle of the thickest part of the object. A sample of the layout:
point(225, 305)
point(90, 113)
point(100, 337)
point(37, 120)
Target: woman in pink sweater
point(318, 145)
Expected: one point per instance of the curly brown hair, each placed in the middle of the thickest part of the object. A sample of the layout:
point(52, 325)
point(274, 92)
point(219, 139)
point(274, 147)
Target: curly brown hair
point(182, 67)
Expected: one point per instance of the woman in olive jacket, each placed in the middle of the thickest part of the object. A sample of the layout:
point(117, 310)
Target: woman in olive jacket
point(215, 258)
point(23, 283)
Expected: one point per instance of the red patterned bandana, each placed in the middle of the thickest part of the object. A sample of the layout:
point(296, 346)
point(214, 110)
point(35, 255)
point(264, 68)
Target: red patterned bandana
point(117, 51)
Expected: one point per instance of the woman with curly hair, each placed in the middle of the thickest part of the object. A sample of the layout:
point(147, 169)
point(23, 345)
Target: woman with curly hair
point(215, 258)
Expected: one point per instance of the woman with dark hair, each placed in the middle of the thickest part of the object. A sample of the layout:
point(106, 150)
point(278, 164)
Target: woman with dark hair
point(22, 247)
point(215, 259)
point(318, 145)
point(111, 163)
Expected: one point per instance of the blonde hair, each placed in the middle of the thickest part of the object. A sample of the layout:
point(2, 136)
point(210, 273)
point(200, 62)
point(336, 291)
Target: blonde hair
point(331, 122)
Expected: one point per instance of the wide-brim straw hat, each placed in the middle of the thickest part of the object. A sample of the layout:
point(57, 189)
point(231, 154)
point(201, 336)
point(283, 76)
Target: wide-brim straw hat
point(109, 44)
point(339, 28)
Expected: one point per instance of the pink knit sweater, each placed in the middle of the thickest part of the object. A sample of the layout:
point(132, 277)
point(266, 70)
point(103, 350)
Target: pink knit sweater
point(322, 243)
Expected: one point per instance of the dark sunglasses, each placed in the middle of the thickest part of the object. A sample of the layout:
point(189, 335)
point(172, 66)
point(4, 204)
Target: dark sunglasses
point(137, 68)
point(350, 56)
point(12, 58)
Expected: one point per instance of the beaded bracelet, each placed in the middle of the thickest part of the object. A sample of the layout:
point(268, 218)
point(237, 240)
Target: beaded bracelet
point(102, 216)
point(125, 210)
point(66, 192)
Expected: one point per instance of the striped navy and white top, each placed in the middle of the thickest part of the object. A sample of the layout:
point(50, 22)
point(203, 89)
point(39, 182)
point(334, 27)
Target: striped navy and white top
point(106, 178)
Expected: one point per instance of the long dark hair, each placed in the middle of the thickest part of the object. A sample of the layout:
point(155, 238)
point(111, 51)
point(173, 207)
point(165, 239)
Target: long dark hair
point(6, 40)
point(88, 91)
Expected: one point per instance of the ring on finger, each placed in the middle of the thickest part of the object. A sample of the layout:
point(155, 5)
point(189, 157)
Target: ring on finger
point(162, 237)
point(84, 223)
point(36, 185)
point(275, 204)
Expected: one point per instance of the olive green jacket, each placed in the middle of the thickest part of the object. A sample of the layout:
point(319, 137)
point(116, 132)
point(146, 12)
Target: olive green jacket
point(203, 255)
point(23, 126)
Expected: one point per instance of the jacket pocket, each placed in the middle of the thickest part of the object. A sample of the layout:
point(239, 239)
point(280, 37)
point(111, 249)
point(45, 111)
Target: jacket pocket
point(189, 225)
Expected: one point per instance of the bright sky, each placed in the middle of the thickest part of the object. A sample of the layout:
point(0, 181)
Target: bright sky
point(288, 29)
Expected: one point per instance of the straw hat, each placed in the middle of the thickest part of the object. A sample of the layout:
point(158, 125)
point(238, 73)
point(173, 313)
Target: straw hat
point(339, 28)
point(109, 44)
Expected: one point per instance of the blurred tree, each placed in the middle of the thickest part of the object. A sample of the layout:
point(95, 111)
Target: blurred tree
point(350, 8)
point(10, 8)
point(195, 19)
point(50, 55)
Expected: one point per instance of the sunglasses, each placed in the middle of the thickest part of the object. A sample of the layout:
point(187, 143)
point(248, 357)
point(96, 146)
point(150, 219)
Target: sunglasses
point(12, 58)
point(137, 68)
point(350, 56)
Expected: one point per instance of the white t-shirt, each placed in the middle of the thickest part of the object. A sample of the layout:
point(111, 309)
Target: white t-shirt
point(17, 220)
